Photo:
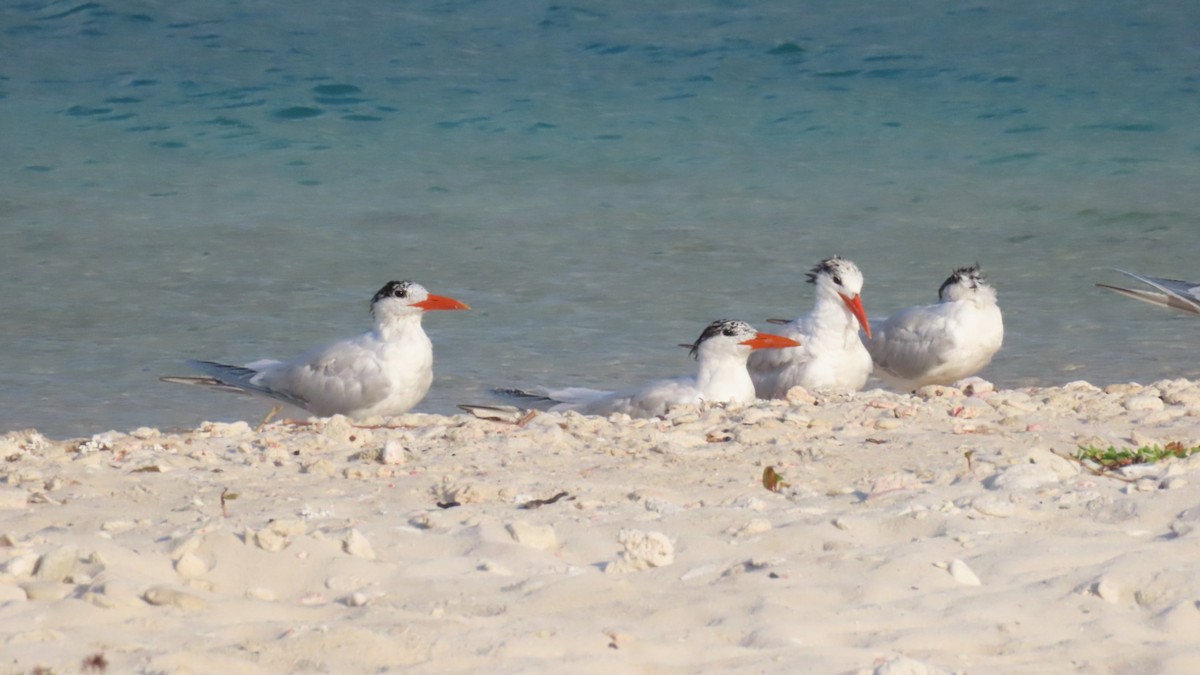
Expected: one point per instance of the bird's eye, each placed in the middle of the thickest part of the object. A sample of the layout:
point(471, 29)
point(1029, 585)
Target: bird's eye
point(729, 332)
point(400, 292)
point(837, 280)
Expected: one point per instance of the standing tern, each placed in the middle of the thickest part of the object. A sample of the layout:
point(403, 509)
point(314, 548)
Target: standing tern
point(1181, 295)
point(721, 352)
point(942, 343)
point(385, 371)
point(831, 354)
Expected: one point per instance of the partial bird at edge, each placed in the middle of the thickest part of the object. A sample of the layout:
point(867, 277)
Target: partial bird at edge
point(1183, 296)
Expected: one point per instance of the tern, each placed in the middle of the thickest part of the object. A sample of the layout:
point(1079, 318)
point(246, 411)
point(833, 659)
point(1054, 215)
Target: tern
point(831, 354)
point(721, 352)
point(941, 343)
point(383, 372)
point(1180, 295)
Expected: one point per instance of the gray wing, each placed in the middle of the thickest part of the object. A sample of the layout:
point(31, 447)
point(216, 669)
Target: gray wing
point(912, 342)
point(1179, 295)
point(563, 398)
point(235, 378)
point(528, 397)
point(341, 378)
point(498, 413)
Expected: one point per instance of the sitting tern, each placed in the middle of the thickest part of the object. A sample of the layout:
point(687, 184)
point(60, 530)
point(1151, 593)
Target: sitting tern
point(1180, 295)
point(721, 352)
point(831, 353)
point(941, 343)
point(385, 371)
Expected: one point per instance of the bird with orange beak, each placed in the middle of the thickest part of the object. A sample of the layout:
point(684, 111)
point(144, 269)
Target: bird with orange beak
point(720, 351)
point(831, 354)
point(385, 371)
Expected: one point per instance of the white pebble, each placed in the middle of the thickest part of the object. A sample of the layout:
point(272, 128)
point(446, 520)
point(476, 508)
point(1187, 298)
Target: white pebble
point(990, 505)
point(1144, 402)
point(21, 565)
point(356, 544)
point(270, 540)
point(57, 565)
point(1147, 485)
point(191, 566)
point(642, 550)
point(1107, 590)
point(541, 537)
point(963, 574)
point(393, 453)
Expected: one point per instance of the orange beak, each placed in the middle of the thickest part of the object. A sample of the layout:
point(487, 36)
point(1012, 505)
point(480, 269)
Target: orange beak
point(770, 341)
point(440, 302)
point(856, 308)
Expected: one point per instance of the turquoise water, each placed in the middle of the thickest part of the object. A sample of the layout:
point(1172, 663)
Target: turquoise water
point(234, 180)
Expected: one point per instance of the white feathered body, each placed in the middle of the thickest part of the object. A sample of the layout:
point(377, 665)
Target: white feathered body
point(831, 355)
point(384, 372)
point(721, 377)
point(938, 344)
point(718, 381)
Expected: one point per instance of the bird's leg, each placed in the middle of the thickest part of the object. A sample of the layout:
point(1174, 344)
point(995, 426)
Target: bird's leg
point(270, 413)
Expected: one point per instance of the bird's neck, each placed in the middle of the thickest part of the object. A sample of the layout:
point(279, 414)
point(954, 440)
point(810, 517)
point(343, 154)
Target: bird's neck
point(724, 380)
point(832, 317)
point(399, 327)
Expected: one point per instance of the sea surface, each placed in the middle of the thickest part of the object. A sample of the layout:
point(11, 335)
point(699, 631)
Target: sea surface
point(232, 180)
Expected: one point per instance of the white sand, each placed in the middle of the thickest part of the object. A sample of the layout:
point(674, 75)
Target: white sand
point(887, 553)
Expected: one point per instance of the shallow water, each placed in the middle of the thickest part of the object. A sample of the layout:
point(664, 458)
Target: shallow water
point(234, 180)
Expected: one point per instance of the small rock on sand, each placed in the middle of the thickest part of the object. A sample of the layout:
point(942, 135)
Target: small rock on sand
point(393, 453)
point(541, 537)
point(57, 565)
point(163, 596)
point(643, 550)
point(963, 574)
point(21, 565)
point(191, 566)
point(1107, 589)
point(356, 544)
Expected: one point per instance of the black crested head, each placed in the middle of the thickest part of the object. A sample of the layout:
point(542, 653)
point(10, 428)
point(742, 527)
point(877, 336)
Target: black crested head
point(828, 266)
point(392, 289)
point(720, 327)
point(969, 277)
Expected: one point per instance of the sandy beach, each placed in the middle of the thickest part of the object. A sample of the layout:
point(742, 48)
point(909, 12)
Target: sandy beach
point(944, 532)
